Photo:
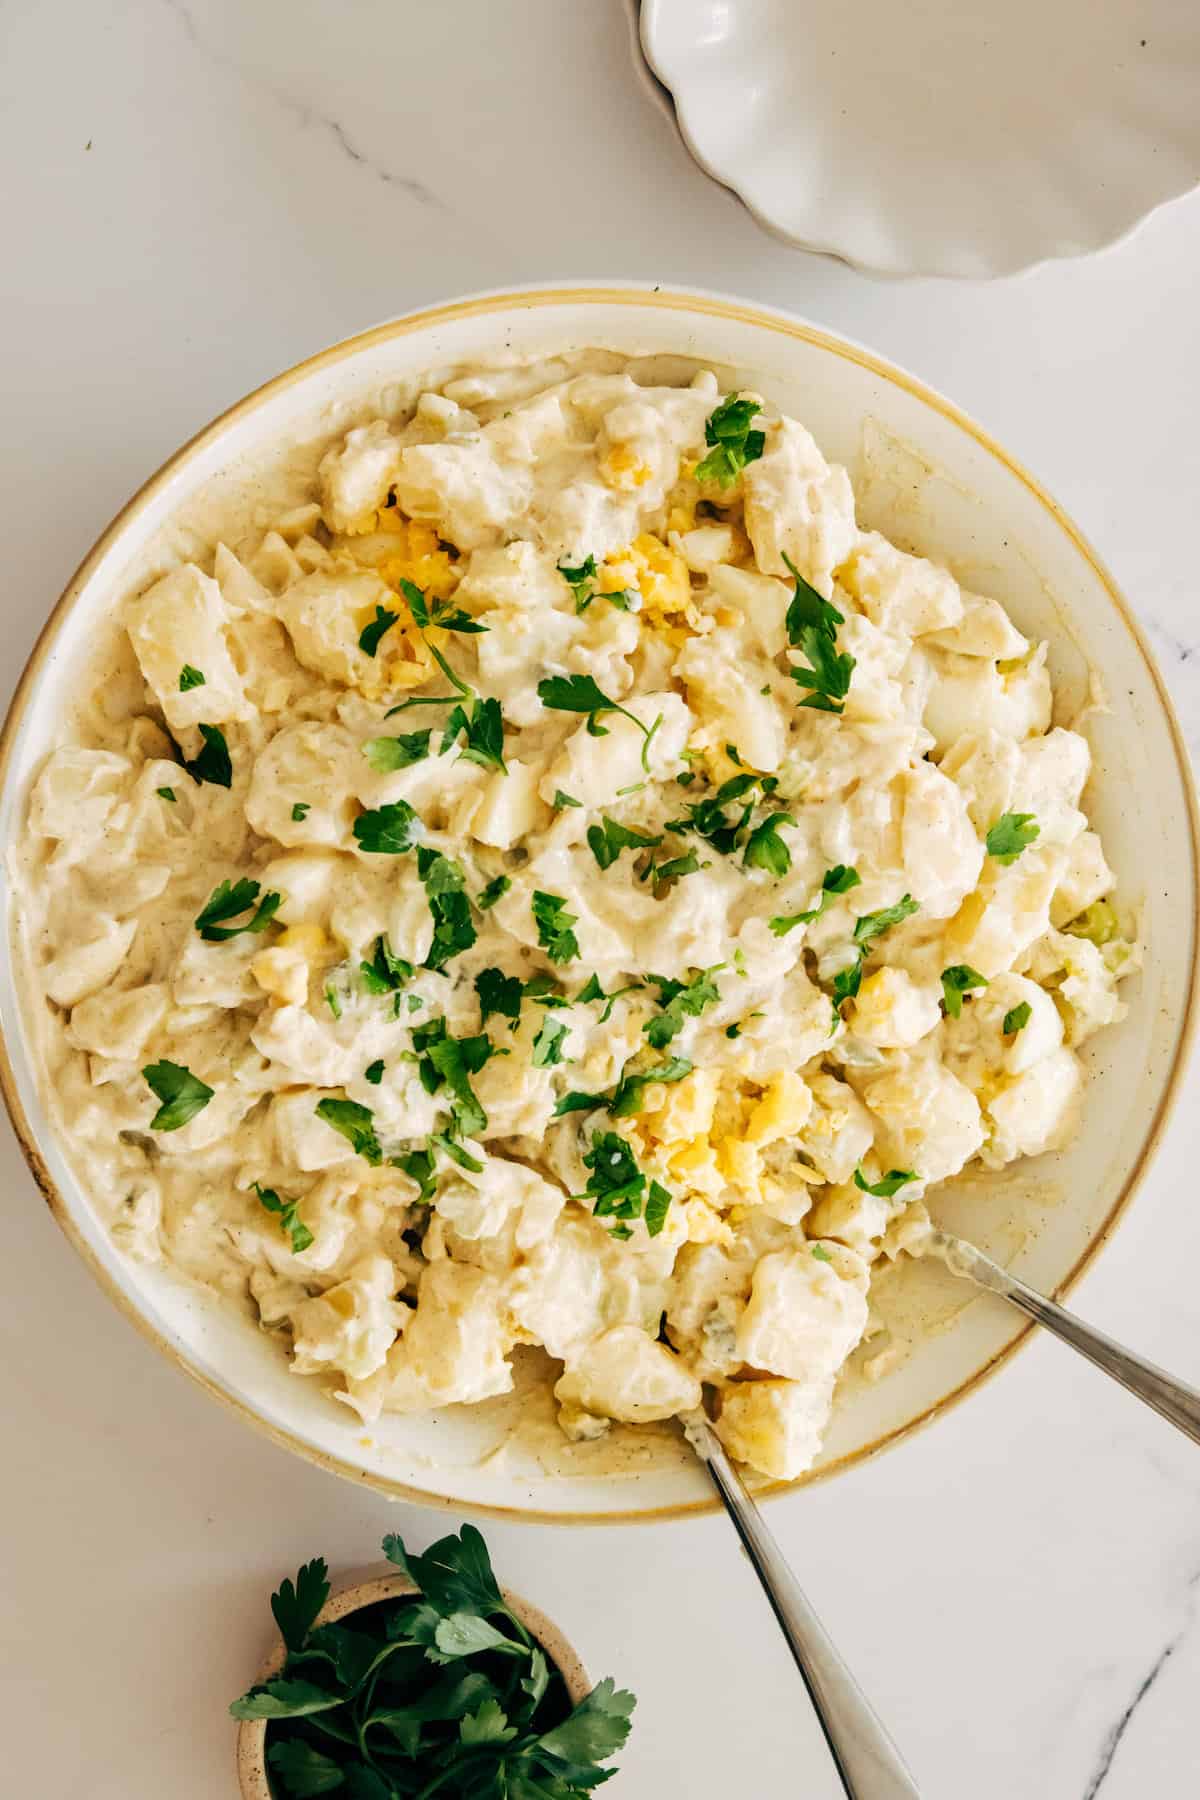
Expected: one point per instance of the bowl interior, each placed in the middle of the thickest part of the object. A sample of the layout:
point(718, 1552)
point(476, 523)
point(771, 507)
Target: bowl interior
point(928, 478)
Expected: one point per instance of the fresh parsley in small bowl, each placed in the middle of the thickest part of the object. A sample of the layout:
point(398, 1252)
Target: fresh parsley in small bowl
point(430, 1680)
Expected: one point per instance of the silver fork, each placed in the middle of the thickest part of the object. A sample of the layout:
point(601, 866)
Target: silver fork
point(868, 1763)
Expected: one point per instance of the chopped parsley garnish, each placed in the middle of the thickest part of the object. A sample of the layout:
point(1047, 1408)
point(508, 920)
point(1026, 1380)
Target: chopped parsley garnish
point(1012, 833)
point(607, 840)
point(450, 1062)
point(369, 636)
point(301, 810)
point(891, 1183)
point(1017, 1019)
point(873, 925)
point(562, 800)
point(838, 880)
point(733, 442)
point(812, 627)
point(591, 990)
point(374, 1072)
point(386, 830)
point(181, 1094)
point(333, 1002)
point(554, 924)
point(580, 580)
point(166, 793)
point(190, 678)
point(957, 980)
point(846, 984)
point(419, 1166)
point(228, 900)
point(290, 1222)
point(213, 763)
point(579, 694)
point(680, 1000)
point(442, 613)
point(628, 1097)
point(617, 1188)
point(386, 973)
point(356, 1124)
point(821, 1254)
point(674, 868)
point(445, 889)
point(483, 727)
point(498, 993)
point(766, 849)
point(547, 1045)
point(710, 821)
point(495, 890)
point(386, 754)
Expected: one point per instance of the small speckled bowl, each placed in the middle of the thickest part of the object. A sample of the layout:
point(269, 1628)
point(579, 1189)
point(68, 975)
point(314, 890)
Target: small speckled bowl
point(368, 1587)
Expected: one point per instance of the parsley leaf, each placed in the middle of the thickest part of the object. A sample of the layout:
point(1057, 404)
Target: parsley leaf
point(892, 1182)
point(873, 925)
point(228, 900)
point(838, 880)
point(386, 973)
point(483, 728)
point(580, 580)
point(629, 1094)
point(1017, 1019)
point(374, 1072)
point(812, 624)
point(455, 1574)
point(356, 1124)
point(554, 924)
point(598, 1726)
point(301, 810)
point(847, 982)
point(561, 800)
point(303, 1770)
point(498, 993)
point(450, 1062)
point(386, 754)
point(442, 613)
point(679, 1001)
point(957, 980)
point(607, 840)
point(734, 443)
point(190, 678)
point(616, 1186)
point(182, 1094)
point(445, 889)
point(580, 694)
point(289, 1218)
point(284, 1699)
point(547, 1045)
point(213, 763)
point(821, 1254)
point(369, 636)
point(386, 830)
point(1012, 833)
point(166, 793)
point(674, 868)
point(766, 849)
point(495, 890)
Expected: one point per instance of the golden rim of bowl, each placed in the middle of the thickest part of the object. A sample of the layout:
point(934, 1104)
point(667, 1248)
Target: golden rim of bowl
point(675, 300)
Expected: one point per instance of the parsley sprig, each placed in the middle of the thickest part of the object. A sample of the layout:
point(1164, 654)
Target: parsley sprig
point(957, 980)
point(181, 1094)
point(728, 430)
point(229, 899)
point(619, 1190)
point(580, 694)
point(812, 624)
point(445, 890)
point(838, 880)
point(290, 1222)
point(448, 1691)
point(1012, 833)
point(554, 926)
point(680, 1001)
point(847, 981)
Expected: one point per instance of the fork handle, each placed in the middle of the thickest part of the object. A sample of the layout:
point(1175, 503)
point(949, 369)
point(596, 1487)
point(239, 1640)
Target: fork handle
point(1174, 1400)
point(869, 1764)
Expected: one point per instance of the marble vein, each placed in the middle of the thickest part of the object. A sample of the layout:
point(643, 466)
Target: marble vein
point(307, 115)
point(1117, 1732)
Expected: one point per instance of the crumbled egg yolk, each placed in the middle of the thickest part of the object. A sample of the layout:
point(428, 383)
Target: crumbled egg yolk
point(706, 1134)
point(660, 576)
point(283, 974)
point(623, 469)
point(402, 659)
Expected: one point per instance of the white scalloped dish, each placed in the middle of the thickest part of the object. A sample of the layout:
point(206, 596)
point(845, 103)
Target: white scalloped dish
point(972, 140)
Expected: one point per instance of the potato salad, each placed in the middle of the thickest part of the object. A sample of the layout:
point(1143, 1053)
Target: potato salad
point(563, 882)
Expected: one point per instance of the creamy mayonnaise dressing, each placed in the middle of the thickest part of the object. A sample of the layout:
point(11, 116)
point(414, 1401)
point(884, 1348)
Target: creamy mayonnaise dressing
point(722, 886)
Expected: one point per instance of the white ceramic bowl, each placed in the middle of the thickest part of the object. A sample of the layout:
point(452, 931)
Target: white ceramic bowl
point(971, 139)
point(926, 475)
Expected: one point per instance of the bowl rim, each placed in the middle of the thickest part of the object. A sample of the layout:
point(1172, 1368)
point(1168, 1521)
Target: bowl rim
point(364, 1587)
point(707, 303)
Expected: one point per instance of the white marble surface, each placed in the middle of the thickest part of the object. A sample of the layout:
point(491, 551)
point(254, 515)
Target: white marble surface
point(198, 193)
